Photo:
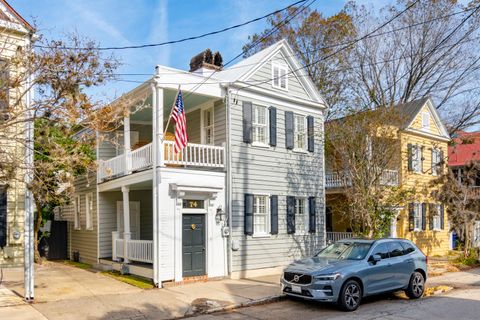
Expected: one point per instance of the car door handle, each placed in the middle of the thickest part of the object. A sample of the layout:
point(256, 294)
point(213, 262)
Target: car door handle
point(409, 260)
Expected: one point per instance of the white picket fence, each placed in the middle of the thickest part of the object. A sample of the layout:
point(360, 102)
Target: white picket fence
point(142, 157)
point(335, 236)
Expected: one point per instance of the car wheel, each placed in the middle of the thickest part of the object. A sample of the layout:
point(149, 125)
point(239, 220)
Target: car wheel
point(416, 286)
point(350, 295)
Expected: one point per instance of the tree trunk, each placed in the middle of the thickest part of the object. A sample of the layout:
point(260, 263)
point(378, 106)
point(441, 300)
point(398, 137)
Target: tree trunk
point(466, 239)
point(36, 228)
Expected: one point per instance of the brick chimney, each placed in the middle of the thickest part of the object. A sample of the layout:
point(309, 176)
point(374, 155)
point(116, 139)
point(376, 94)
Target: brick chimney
point(206, 62)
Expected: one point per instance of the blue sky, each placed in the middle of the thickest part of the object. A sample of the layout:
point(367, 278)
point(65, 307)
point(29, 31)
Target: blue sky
point(123, 23)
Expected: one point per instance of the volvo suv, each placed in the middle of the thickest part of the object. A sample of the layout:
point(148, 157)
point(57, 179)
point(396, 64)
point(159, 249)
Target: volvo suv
point(350, 269)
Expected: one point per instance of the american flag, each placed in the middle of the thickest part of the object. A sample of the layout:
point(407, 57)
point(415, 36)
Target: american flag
point(178, 115)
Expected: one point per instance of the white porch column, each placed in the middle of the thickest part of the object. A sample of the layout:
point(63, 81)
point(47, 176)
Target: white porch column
point(126, 144)
point(126, 221)
point(393, 224)
point(160, 128)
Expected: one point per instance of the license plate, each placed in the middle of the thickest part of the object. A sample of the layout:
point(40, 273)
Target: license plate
point(296, 289)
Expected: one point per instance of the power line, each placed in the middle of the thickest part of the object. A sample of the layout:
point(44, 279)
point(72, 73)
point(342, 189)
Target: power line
point(149, 45)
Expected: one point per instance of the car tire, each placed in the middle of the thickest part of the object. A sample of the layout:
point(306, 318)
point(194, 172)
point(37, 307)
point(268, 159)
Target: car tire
point(350, 295)
point(416, 286)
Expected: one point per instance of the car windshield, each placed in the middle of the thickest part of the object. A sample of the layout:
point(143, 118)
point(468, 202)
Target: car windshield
point(345, 251)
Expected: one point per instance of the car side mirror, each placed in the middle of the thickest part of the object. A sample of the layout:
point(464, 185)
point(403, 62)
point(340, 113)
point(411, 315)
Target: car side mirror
point(375, 258)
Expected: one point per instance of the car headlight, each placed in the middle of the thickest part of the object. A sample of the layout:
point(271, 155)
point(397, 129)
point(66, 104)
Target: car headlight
point(327, 277)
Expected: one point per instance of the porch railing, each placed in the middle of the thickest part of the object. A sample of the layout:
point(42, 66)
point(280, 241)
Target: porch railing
point(197, 155)
point(137, 250)
point(194, 155)
point(335, 236)
point(339, 179)
point(142, 157)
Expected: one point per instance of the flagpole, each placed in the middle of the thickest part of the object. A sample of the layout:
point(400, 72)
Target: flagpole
point(171, 110)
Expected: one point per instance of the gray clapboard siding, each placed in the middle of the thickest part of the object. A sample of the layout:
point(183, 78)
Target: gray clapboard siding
point(193, 126)
point(85, 241)
point(262, 78)
point(220, 127)
point(108, 221)
point(274, 171)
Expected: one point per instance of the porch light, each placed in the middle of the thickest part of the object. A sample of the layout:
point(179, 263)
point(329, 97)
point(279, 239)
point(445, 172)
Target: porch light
point(220, 216)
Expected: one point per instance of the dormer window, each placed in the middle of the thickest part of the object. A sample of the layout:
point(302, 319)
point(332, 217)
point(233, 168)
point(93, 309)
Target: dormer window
point(426, 121)
point(280, 76)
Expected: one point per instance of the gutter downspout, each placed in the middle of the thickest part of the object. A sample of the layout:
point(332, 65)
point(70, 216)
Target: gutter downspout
point(229, 180)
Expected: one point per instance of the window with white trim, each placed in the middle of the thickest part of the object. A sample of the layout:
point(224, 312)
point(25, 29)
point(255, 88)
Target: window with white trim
point(280, 76)
point(426, 120)
point(417, 217)
point(436, 161)
point(207, 126)
point(89, 211)
point(259, 124)
point(76, 213)
point(417, 158)
point(301, 216)
point(436, 217)
point(261, 216)
point(299, 132)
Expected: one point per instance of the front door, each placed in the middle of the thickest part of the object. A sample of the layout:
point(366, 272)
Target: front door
point(193, 245)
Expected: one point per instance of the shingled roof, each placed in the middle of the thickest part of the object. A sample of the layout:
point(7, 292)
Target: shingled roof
point(409, 110)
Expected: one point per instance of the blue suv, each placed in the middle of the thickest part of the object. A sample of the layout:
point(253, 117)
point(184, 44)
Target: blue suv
point(350, 269)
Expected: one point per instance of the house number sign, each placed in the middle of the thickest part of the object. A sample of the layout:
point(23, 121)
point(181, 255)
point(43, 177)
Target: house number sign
point(193, 204)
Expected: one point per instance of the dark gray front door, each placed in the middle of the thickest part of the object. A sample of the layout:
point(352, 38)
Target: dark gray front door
point(193, 245)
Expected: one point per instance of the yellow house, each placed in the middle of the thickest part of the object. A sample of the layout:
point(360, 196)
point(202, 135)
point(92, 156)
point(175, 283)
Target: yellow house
point(15, 36)
point(423, 141)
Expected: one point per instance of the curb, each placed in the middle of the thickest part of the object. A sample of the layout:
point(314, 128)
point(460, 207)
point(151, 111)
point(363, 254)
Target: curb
point(256, 302)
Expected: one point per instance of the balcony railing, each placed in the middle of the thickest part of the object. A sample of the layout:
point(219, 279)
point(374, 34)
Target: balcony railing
point(194, 155)
point(339, 179)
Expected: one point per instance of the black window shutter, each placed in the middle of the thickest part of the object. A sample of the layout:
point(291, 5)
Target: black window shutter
point(248, 214)
point(312, 215)
point(273, 126)
point(247, 122)
point(411, 217)
point(441, 165)
point(421, 159)
point(433, 164)
point(290, 214)
point(289, 129)
point(274, 214)
point(442, 216)
point(410, 157)
point(424, 216)
point(311, 133)
point(3, 217)
point(431, 213)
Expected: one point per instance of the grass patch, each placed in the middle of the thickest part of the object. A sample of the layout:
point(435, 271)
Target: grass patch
point(81, 265)
point(139, 282)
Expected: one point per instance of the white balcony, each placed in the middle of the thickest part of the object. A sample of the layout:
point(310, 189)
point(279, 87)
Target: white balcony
point(340, 180)
point(194, 155)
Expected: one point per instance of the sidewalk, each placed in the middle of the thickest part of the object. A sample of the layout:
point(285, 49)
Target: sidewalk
point(13, 307)
point(65, 292)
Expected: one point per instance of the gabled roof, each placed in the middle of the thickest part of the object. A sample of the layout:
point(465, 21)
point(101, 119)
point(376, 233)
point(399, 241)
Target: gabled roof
point(412, 109)
point(8, 14)
point(244, 69)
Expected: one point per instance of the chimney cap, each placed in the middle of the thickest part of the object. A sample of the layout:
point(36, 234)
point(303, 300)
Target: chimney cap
point(206, 59)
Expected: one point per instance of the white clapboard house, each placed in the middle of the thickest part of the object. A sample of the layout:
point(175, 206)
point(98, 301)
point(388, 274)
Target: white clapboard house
point(244, 197)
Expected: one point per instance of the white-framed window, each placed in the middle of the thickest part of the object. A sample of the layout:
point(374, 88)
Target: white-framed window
point(76, 213)
point(280, 76)
point(261, 216)
point(207, 126)
point(417, 158)
point(426, 120)
point(436, 161)
point(89, 211)
point(260, 124)
point(301, 215)
point(417, 217)
point(436, 218)
point(299, 132)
